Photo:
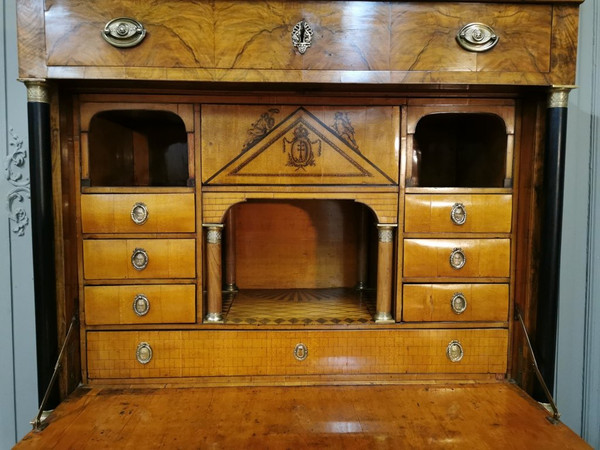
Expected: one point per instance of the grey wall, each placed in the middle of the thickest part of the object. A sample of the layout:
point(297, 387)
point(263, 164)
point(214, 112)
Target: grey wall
point(18, 378)
point(578, 353)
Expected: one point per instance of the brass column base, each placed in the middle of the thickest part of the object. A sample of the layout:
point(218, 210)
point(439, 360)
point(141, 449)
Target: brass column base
point(230, 287)
point(384, 317)
point(214, 317)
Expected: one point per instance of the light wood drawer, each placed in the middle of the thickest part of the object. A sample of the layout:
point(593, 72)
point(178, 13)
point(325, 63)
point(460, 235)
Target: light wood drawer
point(454, 302)
point(114, 213)
point(458, 213)
point(430, 258)
point(246, 353)
point(112, 258)
point(115, 305)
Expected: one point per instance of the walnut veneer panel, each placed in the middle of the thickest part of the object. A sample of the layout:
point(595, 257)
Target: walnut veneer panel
point(111, 213)
point(383, 42)
point(484, 213)
point(432, 302)
point(113, 305)
point(293, 145)
point(485, 258)
point(230, 353)
point(111, 258)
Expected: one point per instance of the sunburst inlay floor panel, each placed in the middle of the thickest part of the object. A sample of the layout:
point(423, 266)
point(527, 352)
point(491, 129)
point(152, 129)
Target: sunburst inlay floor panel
point(334, 306)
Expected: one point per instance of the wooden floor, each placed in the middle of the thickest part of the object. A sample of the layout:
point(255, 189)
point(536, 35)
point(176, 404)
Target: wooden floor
point(469, 416)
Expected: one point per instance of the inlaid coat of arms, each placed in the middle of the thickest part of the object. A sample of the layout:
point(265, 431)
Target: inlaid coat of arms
point(301, 150)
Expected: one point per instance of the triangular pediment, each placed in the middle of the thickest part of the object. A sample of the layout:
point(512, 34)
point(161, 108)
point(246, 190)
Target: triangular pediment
point(301, 150)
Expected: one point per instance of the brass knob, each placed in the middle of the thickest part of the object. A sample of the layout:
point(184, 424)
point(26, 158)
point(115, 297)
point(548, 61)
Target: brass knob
point(458, 214)
point(139, 259)
point(477, 37)
point(143, 353)
point(458, 303)
point(141, 305)
point(454, 351)
point(124, 32)
point(139, 213)
point(300, 352)
point(457, 258)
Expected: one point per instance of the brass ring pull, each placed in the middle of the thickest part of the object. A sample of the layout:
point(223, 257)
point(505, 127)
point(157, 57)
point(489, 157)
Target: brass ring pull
point(477, 37)
point(454, 351)
point(139, 259)
point(139, 213)
point(457, 258)
point(458, 303)
point(300, 352)
point(141, 305)
point(123, 32)
point(458, 214)
point(143, 353)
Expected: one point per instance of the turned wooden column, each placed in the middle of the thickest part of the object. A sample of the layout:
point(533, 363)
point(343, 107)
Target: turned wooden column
point(230, 285)
point(385, 256)
point(362, 256)
point(214, 297)
point(548, 288)
point(42, 232)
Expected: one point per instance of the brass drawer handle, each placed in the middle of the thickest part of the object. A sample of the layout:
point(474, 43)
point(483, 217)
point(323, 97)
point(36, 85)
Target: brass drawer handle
point(477, 37)
point(458, 303)
point(139, 213)
point(457, 258)
point(458, 214)
point(139, 259)
point(141, 305)
point(300, 352)
point(454, 351)
point(143, 353)
point(123, 32)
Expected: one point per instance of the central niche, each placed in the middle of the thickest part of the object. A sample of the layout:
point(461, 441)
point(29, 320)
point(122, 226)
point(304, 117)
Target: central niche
point(301, 261)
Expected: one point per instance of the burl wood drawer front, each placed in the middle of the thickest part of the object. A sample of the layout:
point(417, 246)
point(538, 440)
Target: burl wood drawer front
point(458, 213)
point(457, 258)
point(115, 305)
point(138, 213)
point(347, 36)
point(454, 302)
point(297, 145)
point(108, 259)
point(235, 353)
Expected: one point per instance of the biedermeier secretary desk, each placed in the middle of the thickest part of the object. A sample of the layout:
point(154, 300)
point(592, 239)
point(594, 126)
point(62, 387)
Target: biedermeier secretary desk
point(306, 192)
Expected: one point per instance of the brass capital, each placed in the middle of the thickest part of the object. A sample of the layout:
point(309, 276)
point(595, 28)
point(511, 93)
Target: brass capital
point(37, 91)
point(559, 96)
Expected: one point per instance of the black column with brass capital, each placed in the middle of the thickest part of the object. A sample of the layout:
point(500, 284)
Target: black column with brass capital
point(554, 174)
point(42, 222)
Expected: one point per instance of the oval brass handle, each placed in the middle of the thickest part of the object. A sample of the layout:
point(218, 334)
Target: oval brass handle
point(458, 214)
point(477, 37)
point(457, 258)
point(454, 351)
point(139, 259)
point(139, 213)
point(300, 352)
point(458, 303)
point(141, 305)
point(124, 32)
point(143, 353)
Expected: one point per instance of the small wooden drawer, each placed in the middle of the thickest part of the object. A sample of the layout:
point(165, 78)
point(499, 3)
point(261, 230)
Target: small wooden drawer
point(138, 213)
point(455, 302)
point(457, 258)
point(141, 304)
point(108, 259)
point(246, 353)
point(458, 213)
